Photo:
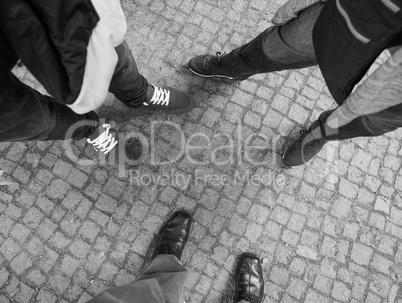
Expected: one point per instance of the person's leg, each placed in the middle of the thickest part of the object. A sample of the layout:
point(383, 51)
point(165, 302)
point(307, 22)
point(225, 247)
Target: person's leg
point(163, 279)
point(28, 115)
point(165, 266)
point(289, 46)
point(365, 126)
point(383, 122)
point(169, 273)
point(127, 84)
point(356, 128)
point(131, 88)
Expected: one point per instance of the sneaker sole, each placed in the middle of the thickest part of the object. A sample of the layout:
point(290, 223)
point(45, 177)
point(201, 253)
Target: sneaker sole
point(284, 162)
point(217, 76)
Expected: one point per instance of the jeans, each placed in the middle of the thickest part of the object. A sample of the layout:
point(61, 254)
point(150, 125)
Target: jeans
point(27, 115)
point(161, 282)
point(290, 46)
point(127, 84)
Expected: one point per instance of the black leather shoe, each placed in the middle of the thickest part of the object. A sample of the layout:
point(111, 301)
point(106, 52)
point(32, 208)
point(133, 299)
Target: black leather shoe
point(306, 147)
point(173, 235)
point(249, 280)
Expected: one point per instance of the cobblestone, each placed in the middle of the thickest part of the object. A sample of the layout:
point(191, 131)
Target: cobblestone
point(79, 249)
point(323, 284)
point(279, 275)
point(340, 292)
point(21, 263)
point(361, 254)
point(57, 189)
point(9, 249)
point(4, 274)
point(331, 232)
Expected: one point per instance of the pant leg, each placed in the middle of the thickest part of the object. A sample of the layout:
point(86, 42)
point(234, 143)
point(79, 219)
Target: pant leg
point(161, 282)
point(384, 121)
point(289, 46)
point(27, 115)
point(353, 129)
point(127, 84)
point(372, 125)
point(169, 273)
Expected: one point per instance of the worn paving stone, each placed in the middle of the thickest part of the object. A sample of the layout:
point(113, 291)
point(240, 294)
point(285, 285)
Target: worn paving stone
point(329, 231)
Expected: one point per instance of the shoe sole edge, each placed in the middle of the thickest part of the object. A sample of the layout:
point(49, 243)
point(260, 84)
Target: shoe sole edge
point(216, 76)
point(284, 161)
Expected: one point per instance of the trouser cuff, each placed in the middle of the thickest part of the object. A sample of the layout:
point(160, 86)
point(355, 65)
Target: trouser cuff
point(353, 129)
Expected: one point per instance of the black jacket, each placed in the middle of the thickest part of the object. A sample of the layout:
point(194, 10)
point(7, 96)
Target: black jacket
point(50, 37)
point(349, 35)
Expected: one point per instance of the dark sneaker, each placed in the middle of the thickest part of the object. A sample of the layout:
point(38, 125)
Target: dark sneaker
point(169, 99)
point(249, 279)
point(122, 154)
point(173, 235)
point(306, 147)
point(210, 66)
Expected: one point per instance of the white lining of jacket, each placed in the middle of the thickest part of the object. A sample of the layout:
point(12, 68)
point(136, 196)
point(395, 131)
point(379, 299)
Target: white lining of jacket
point(101, 55)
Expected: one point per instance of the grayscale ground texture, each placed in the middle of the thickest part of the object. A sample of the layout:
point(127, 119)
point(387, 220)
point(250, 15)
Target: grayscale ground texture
point(329, 231)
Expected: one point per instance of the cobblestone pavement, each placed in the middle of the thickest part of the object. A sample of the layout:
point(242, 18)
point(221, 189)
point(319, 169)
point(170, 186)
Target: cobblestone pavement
point(330, 231)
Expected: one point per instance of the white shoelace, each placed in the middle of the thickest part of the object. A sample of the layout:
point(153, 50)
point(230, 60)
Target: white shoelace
point(105, 141)
point(161, 96)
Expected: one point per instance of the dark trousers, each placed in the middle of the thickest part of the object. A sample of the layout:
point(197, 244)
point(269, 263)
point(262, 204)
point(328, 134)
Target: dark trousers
point(27, 115)
point(161, 282)
point(290, 46)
